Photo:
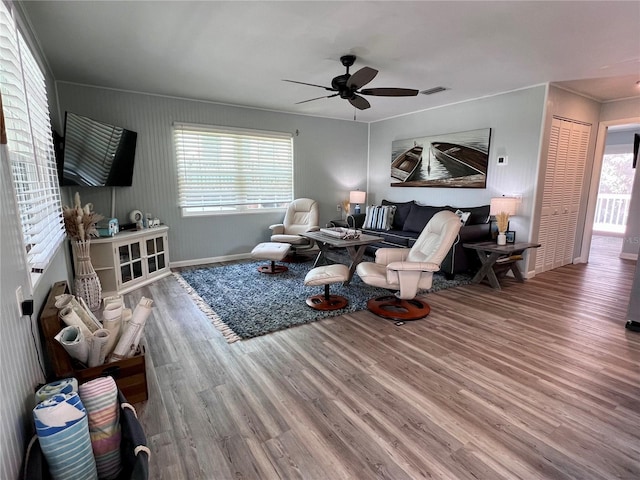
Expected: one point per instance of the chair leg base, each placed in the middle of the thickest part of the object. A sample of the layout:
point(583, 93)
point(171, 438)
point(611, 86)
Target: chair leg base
point(272, 268)
point(394, 308)
point(333, 302)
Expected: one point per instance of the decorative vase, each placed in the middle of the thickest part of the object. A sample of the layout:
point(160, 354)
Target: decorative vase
point(502, 238)
point(87, 283)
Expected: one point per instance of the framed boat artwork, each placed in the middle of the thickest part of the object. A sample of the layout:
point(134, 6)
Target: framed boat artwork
point(456, 160)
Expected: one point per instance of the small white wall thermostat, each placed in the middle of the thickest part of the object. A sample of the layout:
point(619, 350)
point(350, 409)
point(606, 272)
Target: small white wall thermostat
point(502, 160)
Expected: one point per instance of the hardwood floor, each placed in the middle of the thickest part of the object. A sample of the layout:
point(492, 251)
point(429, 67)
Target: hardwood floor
point(539, 380)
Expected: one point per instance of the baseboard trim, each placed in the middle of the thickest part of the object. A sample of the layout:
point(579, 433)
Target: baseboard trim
point(205, 261)
point(629, 256)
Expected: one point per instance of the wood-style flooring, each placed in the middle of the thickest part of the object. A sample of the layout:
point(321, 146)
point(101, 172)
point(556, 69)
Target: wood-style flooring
point(539, 380)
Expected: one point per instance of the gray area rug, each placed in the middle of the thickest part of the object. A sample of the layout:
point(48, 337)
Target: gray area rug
point(244, 303)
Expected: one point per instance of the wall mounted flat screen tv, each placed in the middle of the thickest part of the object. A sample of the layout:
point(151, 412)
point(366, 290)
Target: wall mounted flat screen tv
point(96, 154)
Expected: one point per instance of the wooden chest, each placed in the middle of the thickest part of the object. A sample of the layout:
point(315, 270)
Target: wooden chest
point(130, 374)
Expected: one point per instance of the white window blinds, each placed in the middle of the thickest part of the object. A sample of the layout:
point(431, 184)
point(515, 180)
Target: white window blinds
point(231, 170)
point(30, 145)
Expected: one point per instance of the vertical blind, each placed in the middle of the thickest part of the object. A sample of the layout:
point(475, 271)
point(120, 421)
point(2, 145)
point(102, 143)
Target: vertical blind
point(224, 169)
point(30, 145)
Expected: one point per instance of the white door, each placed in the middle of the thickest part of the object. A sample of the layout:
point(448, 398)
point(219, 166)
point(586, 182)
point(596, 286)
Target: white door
point(562, 192)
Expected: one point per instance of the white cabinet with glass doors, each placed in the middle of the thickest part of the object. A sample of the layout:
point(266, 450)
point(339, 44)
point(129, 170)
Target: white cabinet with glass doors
point(130, 259)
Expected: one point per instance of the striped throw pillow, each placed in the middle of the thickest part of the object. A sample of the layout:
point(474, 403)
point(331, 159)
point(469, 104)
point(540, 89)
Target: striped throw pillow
point(379, 217)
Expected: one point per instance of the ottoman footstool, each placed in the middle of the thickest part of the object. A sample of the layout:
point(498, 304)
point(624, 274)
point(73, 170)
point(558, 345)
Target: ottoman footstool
point(336, 273)
point(273, 251)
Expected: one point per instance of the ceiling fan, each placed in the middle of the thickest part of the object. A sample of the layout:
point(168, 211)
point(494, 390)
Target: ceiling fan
point(349, 86)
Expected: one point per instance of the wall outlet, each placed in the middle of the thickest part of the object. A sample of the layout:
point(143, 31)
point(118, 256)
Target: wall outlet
point(19, 299)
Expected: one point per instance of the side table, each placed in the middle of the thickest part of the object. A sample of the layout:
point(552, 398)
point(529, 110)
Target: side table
point(497, 260)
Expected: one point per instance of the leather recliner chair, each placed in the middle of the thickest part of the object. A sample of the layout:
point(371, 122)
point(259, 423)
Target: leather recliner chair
point(302, 215)
point(408, 270)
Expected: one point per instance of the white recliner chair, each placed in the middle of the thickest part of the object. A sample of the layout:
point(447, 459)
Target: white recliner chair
point(408, 270)
point(302, 215)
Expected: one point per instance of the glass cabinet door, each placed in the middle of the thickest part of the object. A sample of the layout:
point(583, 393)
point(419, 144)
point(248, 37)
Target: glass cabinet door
point(130, 262)
point(155, 254)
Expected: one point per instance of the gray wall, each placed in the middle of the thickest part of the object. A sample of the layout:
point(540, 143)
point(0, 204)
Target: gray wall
point(20, 373)
point(330, 159)
point(515, 120)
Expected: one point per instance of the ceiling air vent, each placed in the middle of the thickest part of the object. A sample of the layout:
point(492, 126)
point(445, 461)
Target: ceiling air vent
point(433, 90)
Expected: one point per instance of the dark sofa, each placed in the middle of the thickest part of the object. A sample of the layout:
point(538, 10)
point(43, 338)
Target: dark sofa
point(410, 219)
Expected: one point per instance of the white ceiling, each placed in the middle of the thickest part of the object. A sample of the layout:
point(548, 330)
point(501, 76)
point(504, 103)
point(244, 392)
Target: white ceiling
point(239, 52)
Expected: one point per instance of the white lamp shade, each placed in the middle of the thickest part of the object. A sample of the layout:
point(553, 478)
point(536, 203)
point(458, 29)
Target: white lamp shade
point(357, 196)
point(507, 205)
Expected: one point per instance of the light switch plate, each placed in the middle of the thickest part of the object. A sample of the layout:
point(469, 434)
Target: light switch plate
point(19, 299)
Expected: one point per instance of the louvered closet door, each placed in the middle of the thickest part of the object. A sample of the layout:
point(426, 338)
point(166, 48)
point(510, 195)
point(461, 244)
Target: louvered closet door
point(576, 161)
point(562, 191)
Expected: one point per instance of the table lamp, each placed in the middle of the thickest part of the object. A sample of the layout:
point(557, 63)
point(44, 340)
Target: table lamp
point(357, 197)
point(502, 208)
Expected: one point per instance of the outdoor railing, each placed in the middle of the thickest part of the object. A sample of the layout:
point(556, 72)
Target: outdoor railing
point(612, 210)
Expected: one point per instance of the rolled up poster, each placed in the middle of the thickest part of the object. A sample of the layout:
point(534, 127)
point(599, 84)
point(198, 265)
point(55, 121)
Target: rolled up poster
point(64, 386)
point(63, 431)
point(70, 318)
point(127, 315)
point(82, 313)
point(98, 347)
point(112, 320)
point(90, 316)
point(74, 342)
point(132, 333)
point(100, 399)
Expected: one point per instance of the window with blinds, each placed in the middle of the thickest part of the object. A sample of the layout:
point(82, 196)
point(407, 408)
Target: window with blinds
point(30, 145)
point(224, 170)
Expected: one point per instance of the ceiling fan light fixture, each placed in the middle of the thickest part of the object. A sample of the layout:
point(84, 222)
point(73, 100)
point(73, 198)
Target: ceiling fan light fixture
point(431, 91)
point(349, 86)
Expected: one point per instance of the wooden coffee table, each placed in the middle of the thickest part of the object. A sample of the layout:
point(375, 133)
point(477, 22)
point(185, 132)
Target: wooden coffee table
point(355, 248)
point(497, 260)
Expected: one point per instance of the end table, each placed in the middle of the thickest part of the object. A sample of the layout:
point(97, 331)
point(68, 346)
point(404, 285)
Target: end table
point(497, 260)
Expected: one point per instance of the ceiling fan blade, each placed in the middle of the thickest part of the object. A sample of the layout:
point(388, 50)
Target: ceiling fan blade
point(310, 84)
point(317, 98)
point(359, 102)
point(361, 77)
point(390, 92)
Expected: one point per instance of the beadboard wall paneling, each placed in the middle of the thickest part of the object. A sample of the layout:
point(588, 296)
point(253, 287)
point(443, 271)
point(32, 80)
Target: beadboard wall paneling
point(330, 159)
point(20, 372)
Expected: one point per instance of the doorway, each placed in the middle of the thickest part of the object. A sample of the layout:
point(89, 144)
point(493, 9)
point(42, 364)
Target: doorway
point(613, 194)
